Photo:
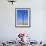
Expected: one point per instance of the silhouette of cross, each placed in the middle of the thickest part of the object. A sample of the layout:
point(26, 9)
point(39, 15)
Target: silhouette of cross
point(11, 1)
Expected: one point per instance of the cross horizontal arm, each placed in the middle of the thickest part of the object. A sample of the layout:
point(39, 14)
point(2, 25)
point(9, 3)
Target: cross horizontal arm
point(12, 1)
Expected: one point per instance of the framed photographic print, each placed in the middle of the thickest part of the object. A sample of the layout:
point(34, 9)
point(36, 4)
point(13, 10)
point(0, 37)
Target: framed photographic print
point(22, 17)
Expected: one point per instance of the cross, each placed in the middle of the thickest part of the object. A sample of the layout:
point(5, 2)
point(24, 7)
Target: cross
point(11, 1)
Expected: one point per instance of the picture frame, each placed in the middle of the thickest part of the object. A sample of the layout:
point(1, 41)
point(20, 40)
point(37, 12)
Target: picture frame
point(22, 17)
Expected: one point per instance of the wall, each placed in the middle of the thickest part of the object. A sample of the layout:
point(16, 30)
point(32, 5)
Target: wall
point(8, 31)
